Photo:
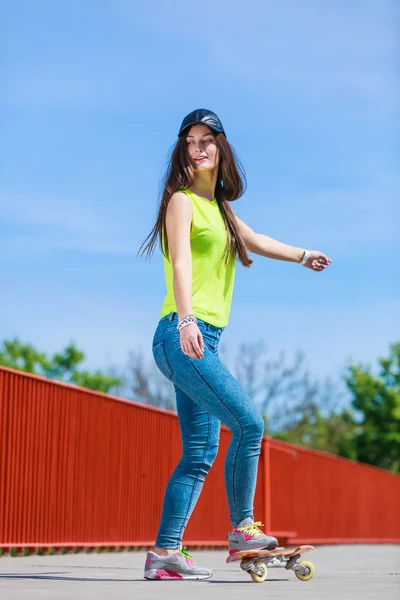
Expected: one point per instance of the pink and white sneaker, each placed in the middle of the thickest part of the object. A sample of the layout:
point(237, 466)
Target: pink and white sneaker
point(247, 536)
point(178, 565)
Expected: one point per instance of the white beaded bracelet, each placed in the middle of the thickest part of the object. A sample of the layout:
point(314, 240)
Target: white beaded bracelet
point(305, 257)
point(186, 321)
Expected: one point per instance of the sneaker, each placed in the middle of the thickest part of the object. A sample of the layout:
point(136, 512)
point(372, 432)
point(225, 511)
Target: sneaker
point(247, 536)
point(178, 565)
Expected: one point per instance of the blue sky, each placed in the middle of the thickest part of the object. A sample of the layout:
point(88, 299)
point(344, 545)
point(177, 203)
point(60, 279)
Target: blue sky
point(92, 97)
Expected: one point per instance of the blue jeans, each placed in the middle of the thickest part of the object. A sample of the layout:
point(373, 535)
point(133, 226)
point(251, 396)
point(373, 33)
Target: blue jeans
point(206, 395)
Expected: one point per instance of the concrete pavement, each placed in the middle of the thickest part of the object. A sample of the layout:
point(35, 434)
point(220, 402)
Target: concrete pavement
point(349, 572)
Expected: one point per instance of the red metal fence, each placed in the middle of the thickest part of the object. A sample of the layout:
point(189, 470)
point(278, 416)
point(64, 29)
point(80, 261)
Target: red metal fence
point(79, 468)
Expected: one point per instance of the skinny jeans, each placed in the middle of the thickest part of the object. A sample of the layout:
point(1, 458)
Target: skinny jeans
point(207, 395)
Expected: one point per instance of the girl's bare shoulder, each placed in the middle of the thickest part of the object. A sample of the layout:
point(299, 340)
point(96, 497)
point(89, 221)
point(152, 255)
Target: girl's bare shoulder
point(180, 200)
point(180, 196)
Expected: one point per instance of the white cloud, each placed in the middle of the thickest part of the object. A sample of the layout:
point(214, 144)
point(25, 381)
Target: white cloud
point(62, 213)
point(341, 220)
point(37, 224)
point(312, 48)
point(314, 53)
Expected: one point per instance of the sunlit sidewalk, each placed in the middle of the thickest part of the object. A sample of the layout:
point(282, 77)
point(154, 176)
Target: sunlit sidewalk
point(346, 572)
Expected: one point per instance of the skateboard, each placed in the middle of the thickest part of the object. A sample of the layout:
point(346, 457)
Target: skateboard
point(256, 562)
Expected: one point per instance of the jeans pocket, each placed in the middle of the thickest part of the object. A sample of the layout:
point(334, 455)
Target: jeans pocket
point(161, 360)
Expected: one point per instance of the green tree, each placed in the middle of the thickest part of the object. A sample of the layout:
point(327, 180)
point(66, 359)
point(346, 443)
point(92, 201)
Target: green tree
point(331, 433)
point(376, 437)
point(62, 366)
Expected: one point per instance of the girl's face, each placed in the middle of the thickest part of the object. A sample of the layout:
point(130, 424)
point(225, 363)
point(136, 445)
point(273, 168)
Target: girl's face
point(202, 151)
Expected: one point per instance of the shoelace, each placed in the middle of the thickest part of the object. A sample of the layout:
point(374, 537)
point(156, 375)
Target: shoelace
point(189, 559)
point(252, 527)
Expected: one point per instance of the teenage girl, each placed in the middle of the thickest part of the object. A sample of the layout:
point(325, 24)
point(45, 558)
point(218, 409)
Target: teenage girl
point(201, 239)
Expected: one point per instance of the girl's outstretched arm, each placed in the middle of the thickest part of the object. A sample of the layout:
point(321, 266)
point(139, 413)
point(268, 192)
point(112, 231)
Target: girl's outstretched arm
point(266, 246)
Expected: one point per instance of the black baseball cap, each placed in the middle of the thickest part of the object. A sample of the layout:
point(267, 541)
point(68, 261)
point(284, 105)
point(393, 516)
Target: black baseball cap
point(202, 115)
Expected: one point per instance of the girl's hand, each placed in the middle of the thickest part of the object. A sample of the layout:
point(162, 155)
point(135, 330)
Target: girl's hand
point(192, 342)
point(317, 261)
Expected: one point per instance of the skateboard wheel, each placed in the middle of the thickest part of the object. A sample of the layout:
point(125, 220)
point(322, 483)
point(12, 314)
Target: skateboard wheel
point(309, 575)
point(255, 576)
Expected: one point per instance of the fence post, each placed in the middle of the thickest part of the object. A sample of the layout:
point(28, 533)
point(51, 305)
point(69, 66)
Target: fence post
point(267, 484)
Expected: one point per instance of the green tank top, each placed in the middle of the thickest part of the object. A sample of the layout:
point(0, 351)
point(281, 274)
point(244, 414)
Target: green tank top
point(212, 279)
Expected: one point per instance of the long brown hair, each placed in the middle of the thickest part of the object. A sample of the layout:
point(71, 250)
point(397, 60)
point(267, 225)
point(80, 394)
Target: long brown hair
point(231, 185)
